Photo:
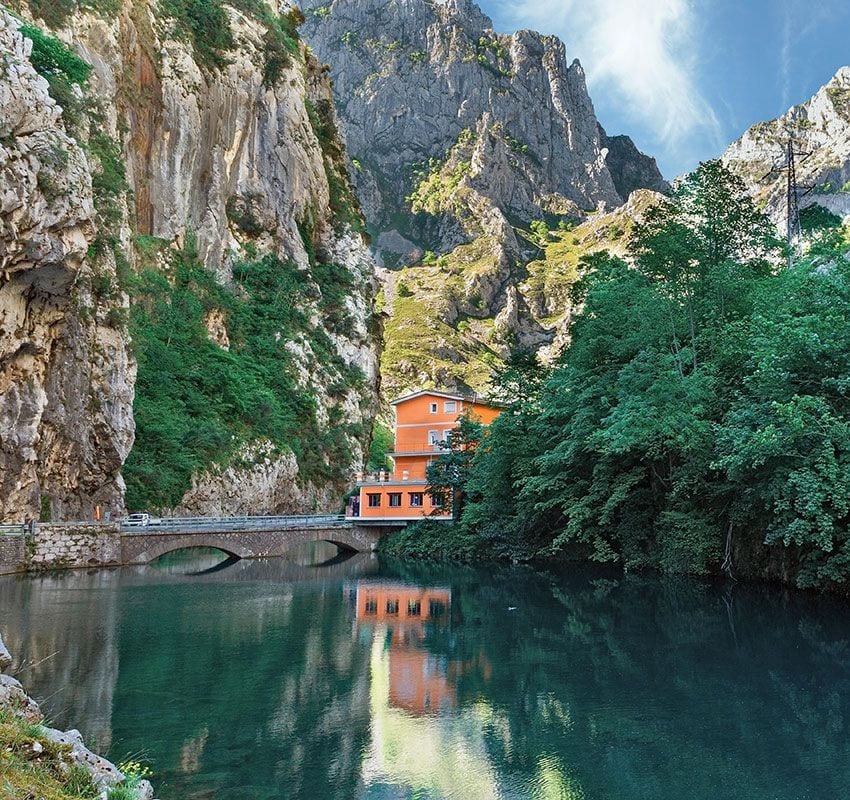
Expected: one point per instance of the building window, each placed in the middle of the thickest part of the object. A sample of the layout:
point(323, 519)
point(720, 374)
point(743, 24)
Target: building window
point(392, 606)
point(436, 501)
point(374, 500)
point(433, 408)
point(415, 499)
point(371, 606)
point(395, 499)
point(433, 438)
point(414, 608)
point(450, 407)
point(436, 608)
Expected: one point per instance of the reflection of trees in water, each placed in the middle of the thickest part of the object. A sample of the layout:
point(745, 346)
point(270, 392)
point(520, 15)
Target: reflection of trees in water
point(256, 684)
point(60, 628)
point(658, 689)
point(278, 687)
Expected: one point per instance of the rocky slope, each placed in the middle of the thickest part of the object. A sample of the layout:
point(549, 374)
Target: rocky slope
point(221, 152)
point(819, 127)
point(66, 374)
point(460, 138)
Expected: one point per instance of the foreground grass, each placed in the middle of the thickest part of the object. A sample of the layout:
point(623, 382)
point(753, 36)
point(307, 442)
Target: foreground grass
point(33, 767)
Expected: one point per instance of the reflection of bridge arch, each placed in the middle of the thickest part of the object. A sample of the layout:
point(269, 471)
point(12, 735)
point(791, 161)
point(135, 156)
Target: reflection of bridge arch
point(169, 544)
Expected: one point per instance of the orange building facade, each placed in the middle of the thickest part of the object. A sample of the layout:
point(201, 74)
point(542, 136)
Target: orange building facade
point(424, 424)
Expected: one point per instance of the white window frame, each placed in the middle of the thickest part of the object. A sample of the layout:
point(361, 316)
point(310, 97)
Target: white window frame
point(433, 438)
point(450, 406)
point(433, 408)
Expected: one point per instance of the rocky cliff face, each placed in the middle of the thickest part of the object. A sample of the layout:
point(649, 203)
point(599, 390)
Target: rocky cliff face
point(66, 375)
point(819, 127)
point(461, 137)
point(225, 134)
point(411, 77)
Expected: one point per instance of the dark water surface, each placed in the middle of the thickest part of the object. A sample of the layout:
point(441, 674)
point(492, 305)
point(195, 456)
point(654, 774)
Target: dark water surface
point(276, 680)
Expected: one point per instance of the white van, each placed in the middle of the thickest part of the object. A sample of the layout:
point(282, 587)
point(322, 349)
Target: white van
point(137, 521)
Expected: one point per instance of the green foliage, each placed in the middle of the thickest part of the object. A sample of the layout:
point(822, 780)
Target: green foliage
point(814, 217)
point(56, 13)
point(433, 540)
point(382, 443)
point(45, 513)
point(698, 422)
point(52, 58)
point(207, 25)
point(240, 211)
point(448, 473)
point(63, 71)
point(45, 775)
point(197, 404)
point(335, 283)
point(109, 180)
point(539, 231)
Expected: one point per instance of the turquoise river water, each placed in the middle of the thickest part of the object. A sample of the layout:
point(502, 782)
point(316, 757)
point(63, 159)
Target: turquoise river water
point(358, 680)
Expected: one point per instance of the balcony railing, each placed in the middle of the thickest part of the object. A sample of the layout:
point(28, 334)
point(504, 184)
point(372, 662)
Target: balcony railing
point(421, 449)
point(389, 477)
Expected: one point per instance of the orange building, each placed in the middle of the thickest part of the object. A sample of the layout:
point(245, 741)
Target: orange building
point(424, 424)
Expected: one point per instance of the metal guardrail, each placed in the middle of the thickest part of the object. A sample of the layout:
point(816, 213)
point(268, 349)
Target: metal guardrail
point(12, 530)
point(204, 523)
point(200, 524)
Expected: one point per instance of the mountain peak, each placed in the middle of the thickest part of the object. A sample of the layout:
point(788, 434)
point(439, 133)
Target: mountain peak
point(414, 76)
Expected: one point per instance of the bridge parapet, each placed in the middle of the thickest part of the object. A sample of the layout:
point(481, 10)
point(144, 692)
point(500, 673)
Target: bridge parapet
point(199, 524)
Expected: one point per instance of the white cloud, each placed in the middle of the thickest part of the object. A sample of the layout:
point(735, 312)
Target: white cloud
point(643, 52)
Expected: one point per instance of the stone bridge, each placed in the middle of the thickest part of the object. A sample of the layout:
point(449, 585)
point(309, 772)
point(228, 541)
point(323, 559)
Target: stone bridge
point(143, 546)
point(90, 544)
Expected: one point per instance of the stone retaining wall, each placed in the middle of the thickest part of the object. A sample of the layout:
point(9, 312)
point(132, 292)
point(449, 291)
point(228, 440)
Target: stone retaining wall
point(13, 553)
point(82, 545)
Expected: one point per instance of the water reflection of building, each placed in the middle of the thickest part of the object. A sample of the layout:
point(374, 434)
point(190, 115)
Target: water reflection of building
point(420, 682)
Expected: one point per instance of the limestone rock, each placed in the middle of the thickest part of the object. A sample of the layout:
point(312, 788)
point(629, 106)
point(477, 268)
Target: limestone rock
point(263, 481)
point(474, 132)
point(219, 155)
point(819, 127)
point(5, 657)
point(410, 76)
point(66, 374)
point(103, 773)
point(13, 697)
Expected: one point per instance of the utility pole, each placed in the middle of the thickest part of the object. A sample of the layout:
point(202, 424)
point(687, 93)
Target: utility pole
point(793, 229)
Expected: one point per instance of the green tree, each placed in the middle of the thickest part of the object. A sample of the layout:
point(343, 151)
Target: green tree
point(448, 474)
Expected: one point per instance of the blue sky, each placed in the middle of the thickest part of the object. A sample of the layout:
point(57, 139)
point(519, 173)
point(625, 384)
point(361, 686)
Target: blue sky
point(685, 77)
